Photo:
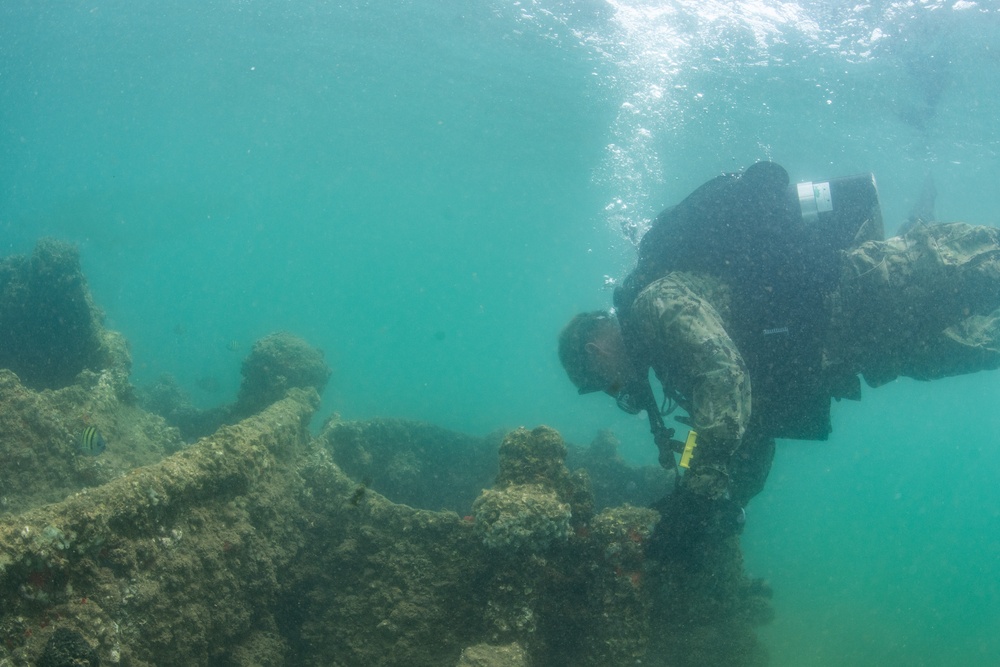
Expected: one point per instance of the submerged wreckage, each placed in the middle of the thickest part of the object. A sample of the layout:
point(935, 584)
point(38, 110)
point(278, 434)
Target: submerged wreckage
point(260, 543)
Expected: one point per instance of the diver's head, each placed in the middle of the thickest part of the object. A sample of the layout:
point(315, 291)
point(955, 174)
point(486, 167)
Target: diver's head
point(592, 351)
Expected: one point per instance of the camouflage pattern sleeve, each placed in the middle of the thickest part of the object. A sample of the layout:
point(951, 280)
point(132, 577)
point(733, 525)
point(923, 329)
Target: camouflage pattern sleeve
point(679, 319)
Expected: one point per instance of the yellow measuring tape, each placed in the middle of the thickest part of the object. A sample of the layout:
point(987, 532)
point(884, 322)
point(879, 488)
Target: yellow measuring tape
point(689, 445)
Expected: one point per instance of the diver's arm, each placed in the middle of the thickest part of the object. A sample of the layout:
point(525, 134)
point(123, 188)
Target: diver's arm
point(687, 337)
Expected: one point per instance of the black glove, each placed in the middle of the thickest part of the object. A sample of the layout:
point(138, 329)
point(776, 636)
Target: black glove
point(720, 517)
point(668, 447)
point(690, 521)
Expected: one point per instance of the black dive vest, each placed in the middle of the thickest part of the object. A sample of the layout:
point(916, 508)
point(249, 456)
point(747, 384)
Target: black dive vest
point(748, 229)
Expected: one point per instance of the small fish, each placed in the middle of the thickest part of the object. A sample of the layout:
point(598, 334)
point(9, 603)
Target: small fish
point(233, 346)
point(91, 441)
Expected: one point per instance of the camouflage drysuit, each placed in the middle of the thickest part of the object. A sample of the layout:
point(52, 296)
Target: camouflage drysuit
point(925, 305)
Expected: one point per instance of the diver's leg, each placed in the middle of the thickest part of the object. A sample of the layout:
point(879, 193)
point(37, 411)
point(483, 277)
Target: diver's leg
point(953, 269)
point(971, 345)
point(920, 304)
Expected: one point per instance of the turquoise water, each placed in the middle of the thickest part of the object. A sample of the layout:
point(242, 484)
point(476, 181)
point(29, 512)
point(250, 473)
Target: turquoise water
point(429, 190)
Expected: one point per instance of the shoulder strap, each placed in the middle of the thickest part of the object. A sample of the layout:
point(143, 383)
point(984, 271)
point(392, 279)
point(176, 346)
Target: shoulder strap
point(715, 229)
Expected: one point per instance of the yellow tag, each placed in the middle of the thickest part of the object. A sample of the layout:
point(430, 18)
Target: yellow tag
point(689, 445)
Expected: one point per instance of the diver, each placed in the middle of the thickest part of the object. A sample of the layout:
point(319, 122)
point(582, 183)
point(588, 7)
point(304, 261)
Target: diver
point(753, 313)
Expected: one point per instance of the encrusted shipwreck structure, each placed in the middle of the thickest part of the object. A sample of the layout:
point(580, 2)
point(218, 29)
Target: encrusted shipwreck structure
point(252, 546)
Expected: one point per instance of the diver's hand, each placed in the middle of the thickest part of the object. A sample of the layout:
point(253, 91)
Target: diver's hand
point(730, 517)
point(668, 447)
point(690, 518)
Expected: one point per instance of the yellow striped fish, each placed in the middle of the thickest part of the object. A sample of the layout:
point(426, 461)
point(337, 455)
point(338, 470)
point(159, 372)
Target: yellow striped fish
point(91, 441)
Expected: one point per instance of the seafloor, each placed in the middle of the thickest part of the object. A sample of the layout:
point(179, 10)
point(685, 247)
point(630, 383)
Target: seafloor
point(238, 536)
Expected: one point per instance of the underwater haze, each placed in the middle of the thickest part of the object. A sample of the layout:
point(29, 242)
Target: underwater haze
point(428, 190)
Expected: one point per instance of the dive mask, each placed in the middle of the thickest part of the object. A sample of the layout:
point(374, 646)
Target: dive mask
point(628, 401)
